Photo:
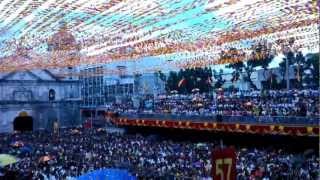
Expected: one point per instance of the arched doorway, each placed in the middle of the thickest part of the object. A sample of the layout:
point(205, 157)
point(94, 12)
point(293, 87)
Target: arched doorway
point(23, 122)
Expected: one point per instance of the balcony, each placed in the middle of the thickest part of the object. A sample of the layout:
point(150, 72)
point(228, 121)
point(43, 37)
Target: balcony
point(266, 120)
point(288, 126)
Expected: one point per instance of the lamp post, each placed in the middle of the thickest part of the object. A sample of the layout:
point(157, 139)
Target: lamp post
point(287, 74)
point(289, 48)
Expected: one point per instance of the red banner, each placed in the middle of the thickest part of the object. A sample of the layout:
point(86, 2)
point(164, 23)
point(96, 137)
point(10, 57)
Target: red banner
point(290, 130)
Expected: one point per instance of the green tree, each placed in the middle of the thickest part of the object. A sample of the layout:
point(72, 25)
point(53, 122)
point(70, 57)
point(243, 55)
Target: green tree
point(271, 82)
point(299, 68)
point(193, 78)
point(237, 69)
point(218, 76)
point(306, 69)
point(311, 67)
point(172, 81)
point(162, 76)
point(249, 67)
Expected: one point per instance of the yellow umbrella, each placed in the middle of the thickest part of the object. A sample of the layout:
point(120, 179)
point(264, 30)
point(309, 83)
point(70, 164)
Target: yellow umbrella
point(6, 159)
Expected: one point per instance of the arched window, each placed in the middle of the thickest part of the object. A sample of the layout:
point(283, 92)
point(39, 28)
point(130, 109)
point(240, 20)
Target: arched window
point(52, 95)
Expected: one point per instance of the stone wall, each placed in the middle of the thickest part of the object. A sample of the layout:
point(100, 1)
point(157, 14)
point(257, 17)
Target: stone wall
point(39, 90)
point(43, 114)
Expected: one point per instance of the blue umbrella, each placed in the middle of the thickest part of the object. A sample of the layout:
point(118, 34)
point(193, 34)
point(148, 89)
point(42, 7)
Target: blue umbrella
point(107, 174)
point(26, 149)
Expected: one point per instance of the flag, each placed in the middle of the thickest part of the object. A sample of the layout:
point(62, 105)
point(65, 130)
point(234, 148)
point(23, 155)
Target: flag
point(182, 82)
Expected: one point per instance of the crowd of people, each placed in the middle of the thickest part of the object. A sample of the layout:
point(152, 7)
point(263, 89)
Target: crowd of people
point(283, 103)
point(75, 152)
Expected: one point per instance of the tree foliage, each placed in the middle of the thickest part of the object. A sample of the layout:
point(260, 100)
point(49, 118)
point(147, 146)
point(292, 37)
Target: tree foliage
point(247, 68)
point(193, 78)
point(219, 81)
point(306, 70)
point(310, 74)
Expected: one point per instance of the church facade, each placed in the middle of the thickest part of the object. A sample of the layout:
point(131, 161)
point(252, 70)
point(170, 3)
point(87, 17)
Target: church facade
point(40, 96)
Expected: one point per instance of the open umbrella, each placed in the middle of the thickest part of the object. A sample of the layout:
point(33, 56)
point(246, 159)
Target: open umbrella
point(7, 159)
point(75, 131)
point(199, 104)
point(199, 145)
point(26, 149)
point(17, 144)
point(195, 90)
point(174, 92)
point(44, 159)
point(101, 130)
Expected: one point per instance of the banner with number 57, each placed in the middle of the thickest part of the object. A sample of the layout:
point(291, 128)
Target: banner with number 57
point(224, 164)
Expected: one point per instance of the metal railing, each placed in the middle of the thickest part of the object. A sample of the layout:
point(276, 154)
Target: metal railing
point(288, 120)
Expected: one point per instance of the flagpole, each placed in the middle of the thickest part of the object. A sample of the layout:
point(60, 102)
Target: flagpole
point(287, 74)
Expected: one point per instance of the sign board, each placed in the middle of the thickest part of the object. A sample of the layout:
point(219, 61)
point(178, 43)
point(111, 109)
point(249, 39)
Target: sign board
point(224, 164)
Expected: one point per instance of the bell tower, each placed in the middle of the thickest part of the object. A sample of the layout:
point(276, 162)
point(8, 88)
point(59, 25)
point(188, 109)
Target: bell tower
point(65, 52)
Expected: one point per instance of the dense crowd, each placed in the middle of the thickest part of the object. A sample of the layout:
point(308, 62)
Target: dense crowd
point(77, 151)
point(302, 103)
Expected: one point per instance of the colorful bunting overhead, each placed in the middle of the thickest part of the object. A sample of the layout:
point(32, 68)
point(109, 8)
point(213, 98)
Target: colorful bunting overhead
point(62, 33)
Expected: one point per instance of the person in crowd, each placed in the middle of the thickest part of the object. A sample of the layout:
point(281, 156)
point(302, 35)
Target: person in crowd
point(79, 151)
point(280, 103)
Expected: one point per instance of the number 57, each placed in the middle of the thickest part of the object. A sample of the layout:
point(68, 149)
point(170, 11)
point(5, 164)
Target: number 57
point(219, 168)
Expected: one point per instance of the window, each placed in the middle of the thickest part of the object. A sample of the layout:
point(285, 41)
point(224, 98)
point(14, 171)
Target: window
point(52, 95)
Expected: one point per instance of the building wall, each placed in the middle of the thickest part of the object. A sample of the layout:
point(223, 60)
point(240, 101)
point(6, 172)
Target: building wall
point(40, 90)
point(7, 116)
point(99, 89)
point(43, 114)
point(151, 84)
point(264, 75)
point(32, 96)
